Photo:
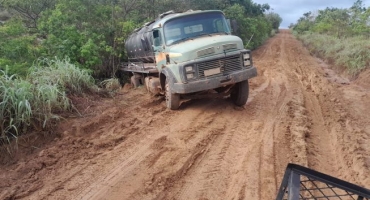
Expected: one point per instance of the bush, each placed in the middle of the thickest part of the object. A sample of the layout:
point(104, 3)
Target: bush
point(17, 48)
point(353, 54)
point(34, 101)
point(67, 76)
point(253, 30)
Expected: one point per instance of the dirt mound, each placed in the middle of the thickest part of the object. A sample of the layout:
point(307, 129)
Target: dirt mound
point(364, 79)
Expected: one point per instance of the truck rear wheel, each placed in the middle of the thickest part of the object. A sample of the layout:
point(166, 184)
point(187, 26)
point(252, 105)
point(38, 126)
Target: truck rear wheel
point(172, 100)
point(240, 93)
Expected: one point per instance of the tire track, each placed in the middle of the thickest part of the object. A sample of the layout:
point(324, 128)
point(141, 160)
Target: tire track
point(210, 149)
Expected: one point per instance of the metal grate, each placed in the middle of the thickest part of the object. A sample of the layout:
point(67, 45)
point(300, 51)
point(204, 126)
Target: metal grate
point(226, 65)
point(306, 184)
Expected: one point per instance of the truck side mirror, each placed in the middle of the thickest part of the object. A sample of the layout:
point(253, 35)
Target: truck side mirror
point(228, 23)
point(234, 26)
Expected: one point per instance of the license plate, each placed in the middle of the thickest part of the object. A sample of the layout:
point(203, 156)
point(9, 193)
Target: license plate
point(211, 72)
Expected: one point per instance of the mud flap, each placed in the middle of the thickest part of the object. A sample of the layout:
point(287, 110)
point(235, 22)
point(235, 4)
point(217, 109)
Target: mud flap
point(304, 183)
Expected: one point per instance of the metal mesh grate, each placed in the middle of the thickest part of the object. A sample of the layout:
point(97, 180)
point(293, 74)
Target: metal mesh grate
point(306, 184)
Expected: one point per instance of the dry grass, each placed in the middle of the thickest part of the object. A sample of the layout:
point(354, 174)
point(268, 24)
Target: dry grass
point(351, 54)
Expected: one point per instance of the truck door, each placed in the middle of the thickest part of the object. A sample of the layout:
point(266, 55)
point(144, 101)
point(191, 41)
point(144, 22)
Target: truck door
point(158, 48)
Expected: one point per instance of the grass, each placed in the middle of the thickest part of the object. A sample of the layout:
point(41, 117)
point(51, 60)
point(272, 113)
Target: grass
point(112, 84)
point(36, 100)
point(62, 73)
point(351, 54)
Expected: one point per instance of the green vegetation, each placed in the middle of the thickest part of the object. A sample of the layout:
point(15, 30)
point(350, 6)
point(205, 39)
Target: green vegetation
point(353, 52)
point(339, 35)
point(35, 100)
point(92, 32)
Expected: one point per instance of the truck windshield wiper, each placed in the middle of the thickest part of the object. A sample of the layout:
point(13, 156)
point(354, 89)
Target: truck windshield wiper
point(181, 40)
point(210, 34)
point(202, 34)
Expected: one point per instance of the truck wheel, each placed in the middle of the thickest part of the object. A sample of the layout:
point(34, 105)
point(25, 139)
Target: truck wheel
point(135, 81)
point(172, 100)
point(240, 92)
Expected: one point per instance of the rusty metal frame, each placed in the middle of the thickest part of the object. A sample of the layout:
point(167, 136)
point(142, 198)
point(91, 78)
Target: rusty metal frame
point(303, 183)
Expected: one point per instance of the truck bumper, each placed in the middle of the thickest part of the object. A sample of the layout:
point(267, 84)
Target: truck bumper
point(215, 82)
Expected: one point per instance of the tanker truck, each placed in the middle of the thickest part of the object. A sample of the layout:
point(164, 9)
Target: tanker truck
point(189, 55)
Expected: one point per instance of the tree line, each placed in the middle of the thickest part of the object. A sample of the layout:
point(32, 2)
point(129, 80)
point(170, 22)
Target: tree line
point(338, 22)
point(339, 35)
point(91, 33)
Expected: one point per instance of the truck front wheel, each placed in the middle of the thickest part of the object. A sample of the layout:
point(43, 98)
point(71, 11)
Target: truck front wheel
point(240, 92)
point(172, 100)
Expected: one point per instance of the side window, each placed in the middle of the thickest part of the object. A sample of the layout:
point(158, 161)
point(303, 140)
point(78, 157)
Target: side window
point(157, 38)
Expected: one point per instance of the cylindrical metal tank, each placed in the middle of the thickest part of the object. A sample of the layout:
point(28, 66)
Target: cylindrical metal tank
point(139, 45)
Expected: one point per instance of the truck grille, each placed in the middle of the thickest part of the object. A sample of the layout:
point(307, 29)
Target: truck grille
point(226, 65)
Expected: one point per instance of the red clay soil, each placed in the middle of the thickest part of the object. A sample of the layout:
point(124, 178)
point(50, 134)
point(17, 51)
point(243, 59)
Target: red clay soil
point(132, 147)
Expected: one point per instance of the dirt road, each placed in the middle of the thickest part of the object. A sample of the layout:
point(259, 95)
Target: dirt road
point(132, 147)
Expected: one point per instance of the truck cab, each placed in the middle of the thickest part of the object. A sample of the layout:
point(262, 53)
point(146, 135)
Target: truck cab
point(190, 54)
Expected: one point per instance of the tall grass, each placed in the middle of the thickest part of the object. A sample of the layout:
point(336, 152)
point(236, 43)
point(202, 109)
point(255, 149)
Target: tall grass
point(15, 106)
point(35, 100)
point(352, 54)
point(62, 73)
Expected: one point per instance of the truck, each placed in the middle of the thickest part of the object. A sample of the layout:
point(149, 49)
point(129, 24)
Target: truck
point(189, 55)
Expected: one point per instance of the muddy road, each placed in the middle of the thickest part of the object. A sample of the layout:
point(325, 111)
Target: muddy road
point(132, 147)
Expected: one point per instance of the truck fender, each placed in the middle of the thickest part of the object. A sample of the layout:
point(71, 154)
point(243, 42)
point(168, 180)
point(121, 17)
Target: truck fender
point(166, 73)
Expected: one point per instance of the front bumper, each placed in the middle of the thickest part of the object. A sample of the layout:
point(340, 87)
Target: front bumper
point(216, 82)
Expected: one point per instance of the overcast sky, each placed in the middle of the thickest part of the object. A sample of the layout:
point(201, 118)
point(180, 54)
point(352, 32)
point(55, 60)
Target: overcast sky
point(292, 10)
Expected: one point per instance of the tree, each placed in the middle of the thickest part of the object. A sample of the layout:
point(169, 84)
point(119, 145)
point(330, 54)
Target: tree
point(359, 18)
point(332, 21)
point(253, 30)
point(274, 19)
point(30, 10)
point(305, 23)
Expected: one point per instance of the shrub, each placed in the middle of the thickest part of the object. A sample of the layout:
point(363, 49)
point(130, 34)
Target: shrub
point(63, 74)
point(24, 103)
point(37, 99)
point(352, 54)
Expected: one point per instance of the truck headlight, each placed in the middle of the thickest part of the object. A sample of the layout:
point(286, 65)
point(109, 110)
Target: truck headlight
point(189, 69)
point(247, 60)
point(190, 72)
point(190, 76)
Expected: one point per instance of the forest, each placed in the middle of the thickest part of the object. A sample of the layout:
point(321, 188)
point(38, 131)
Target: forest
point(339, 35)
point(53, 49)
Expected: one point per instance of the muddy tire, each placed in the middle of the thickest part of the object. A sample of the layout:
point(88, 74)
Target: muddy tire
point(135, 82)
point(240, 93)
point(172, 100)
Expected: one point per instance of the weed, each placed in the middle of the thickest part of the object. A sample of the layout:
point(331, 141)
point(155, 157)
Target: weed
point(36, 99)
point(352, 54)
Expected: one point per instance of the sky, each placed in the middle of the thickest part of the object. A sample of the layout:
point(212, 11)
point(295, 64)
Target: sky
point(292, 10)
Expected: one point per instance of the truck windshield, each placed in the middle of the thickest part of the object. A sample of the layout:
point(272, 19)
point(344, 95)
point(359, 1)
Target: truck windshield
point(192, 26)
